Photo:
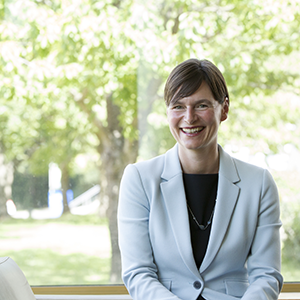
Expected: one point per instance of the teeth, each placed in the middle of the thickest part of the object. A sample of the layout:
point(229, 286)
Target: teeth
point(192, 130)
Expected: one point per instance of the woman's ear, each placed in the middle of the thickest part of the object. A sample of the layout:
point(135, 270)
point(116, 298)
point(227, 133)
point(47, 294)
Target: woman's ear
point(225, 110)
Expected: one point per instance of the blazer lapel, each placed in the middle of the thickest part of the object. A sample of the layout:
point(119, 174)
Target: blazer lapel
point(175, 200)
point(227, 196)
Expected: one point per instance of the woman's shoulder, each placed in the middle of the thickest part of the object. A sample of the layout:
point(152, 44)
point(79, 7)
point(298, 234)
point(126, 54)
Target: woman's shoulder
point(144, 173)
point(248, 166)
point(156, 165)
point(150, 166)
point(250, 171)
point(241, 164)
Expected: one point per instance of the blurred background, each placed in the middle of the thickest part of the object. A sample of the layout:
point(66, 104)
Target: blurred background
point(81, 96)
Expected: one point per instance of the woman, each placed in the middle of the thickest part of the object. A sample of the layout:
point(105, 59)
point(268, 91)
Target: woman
point(196, 223)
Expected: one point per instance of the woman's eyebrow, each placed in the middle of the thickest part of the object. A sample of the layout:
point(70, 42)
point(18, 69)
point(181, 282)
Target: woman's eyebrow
point(180, 100)
point(203, 100)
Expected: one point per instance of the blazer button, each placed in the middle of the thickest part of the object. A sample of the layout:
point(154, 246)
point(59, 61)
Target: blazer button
point(197, 285)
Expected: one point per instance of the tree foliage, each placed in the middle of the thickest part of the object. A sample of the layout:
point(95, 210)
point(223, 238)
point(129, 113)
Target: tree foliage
point(80, 76)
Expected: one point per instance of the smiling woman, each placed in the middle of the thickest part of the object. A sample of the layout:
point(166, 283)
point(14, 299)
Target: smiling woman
point(196, 128)
point(194, 121)
point(216, 216)
point(197, 102)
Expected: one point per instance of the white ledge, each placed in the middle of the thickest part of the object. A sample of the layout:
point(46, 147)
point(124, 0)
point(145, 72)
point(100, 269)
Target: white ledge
point(83, 297)
point(289, 296)
point(125, 297)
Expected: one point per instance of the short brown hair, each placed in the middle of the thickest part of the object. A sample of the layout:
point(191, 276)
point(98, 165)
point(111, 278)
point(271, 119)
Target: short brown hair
point(187, 77)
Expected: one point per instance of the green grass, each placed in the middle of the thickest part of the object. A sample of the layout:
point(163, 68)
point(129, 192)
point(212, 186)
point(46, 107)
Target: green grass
point(12, 224)
point(68, 218)
point(45, 266)
point(48, 267)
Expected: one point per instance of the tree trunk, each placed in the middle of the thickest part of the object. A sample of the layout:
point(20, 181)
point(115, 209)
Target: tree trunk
point(111, 191)
point(116, 152)
point(6, 180)
point(65, 184)
point(114, 160)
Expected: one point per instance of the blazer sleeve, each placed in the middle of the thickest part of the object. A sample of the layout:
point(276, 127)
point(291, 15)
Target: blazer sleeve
point(139, 271)
point(264, 261)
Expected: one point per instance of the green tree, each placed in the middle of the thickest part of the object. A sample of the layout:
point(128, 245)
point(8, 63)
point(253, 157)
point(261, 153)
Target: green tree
point(96, 68)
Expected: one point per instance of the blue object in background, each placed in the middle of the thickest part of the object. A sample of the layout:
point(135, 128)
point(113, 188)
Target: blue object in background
point(70, 196)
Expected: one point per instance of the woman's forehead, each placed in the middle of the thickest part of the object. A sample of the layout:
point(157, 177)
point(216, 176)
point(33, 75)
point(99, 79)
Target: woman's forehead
point(187, 90)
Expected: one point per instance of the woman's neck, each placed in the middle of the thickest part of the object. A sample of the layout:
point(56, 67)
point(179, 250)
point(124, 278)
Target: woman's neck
point(199, 161)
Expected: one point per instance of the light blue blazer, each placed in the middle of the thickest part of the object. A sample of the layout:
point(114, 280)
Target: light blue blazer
point(242, 260)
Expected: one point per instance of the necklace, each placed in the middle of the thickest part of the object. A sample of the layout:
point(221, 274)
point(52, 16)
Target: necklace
point(202, 227)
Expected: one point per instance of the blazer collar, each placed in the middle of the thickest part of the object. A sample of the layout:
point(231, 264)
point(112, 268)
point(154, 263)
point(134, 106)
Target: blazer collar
point(172, 188)
point(172, 166)
point(227, 166)
point(227, 196)
point(174, 196)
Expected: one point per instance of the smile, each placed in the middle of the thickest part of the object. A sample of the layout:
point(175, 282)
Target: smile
point(192, 130)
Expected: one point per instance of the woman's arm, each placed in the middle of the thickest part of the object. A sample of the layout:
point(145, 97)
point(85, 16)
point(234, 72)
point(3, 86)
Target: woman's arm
point(138, 268)
point(264, 260)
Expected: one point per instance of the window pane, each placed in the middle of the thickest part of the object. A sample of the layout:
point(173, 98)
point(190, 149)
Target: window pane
point(81, 96)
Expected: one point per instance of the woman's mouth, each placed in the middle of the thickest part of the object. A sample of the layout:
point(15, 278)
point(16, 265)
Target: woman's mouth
point(192, 130)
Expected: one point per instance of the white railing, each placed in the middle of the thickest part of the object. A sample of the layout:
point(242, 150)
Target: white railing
point(86, 197)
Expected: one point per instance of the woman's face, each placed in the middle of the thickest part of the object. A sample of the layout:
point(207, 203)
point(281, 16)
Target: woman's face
point(194, 120)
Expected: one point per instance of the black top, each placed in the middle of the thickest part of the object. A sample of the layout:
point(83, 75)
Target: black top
point(201, 193)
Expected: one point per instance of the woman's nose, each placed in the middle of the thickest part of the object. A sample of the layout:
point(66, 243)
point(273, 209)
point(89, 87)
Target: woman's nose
point(190, 115)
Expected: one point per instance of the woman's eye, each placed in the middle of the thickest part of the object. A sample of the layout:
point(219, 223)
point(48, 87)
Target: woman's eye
point(202, 106)
point(178, 107)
